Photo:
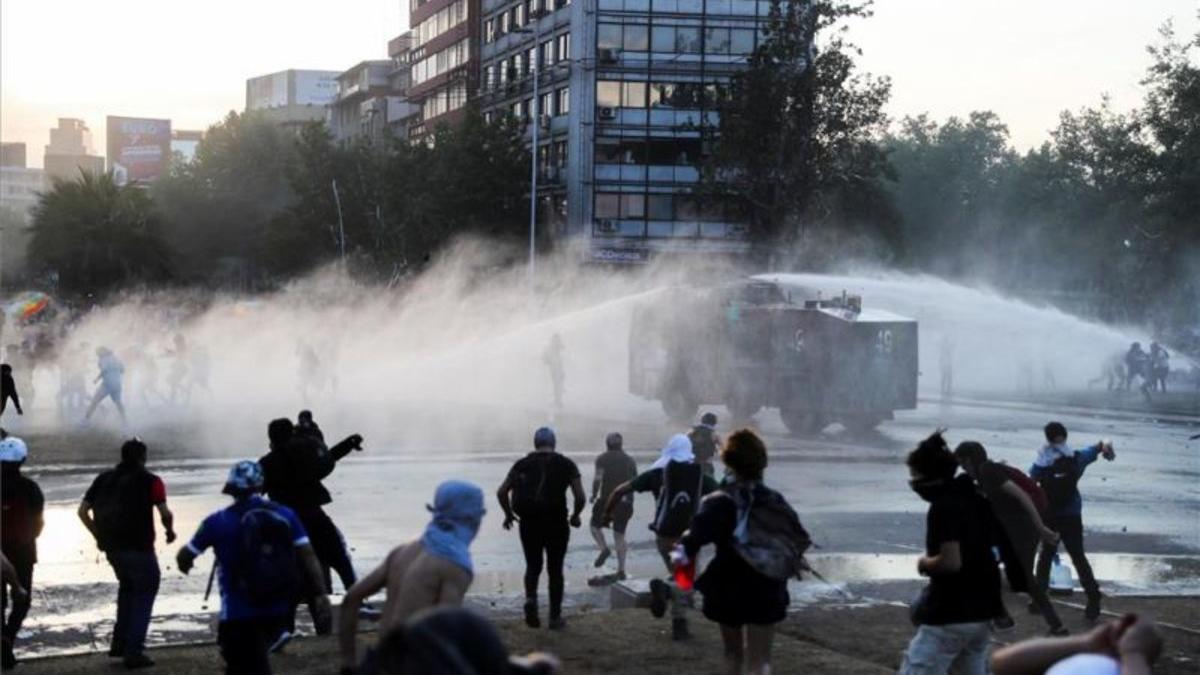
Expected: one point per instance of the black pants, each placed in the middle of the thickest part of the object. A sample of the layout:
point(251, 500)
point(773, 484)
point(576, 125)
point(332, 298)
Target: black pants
point(1018, 549)
point(138, 577)
point(548, 538)
point(1070, 528)
point(328, 544)
point(244, 644)
point(23, 560)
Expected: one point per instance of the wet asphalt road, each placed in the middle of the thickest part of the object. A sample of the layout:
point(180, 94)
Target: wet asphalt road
point(851, 492)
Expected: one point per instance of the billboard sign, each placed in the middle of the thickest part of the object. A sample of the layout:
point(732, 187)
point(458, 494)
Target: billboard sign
point(139, 149)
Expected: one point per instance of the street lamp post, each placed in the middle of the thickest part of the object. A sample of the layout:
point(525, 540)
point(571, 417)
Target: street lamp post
point(533, 154)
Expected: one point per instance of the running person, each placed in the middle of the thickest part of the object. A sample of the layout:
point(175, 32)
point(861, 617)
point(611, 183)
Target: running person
point(535, 492)
point(112, 371)
point(613, 467)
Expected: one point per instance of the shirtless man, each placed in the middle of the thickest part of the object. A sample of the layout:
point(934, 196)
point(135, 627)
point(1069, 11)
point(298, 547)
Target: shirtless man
point(432, 571)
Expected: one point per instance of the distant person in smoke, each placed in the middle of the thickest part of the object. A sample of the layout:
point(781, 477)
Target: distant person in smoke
point(293, 470)
point(315, 375)
point(553, 358)
point(72, 381)
point(946, 365)
point(118, 509)
point(112, 372)
point(1136, 364)
point(433, 571)
point(1160, 367)
point(8, 390)
point(20, 527)
point(534, 496)
point(677, 482)
point(307, 426)
point(1057, 469)
point(613, 467)
point(21, 359)
point(180, 389)
point(1018, 504)
point(1112, 372)
point(705, 442)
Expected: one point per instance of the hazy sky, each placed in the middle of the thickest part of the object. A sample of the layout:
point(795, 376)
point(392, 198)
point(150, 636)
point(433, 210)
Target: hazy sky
point(188, 61)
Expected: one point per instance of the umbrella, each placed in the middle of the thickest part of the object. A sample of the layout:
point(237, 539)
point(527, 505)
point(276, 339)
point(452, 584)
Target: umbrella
point(27, 305)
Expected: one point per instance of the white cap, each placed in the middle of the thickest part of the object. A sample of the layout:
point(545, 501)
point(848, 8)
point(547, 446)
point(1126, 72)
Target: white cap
point(13, 449)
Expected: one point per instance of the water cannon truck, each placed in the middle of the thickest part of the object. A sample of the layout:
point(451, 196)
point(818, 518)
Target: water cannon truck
point(756, 343)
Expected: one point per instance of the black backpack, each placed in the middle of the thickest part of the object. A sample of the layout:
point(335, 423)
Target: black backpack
point(268, 570)
point(121, 508)
point(529, 486)
point(678, 499)
point(768, 534)
point(704, 443)
point(1060, 481)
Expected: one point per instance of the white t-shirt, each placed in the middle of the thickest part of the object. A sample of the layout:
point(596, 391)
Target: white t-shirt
point(1086, 664)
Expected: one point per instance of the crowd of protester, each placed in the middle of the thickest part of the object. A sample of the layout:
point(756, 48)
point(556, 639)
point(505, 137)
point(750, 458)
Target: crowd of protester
point(276, 548)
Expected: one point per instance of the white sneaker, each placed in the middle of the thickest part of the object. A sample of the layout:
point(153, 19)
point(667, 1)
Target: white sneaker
point(280, 642)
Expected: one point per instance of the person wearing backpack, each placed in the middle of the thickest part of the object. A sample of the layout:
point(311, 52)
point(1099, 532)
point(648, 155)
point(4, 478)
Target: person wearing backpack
point(534, 496)
point(264, 562)
point(678, 483)
point(20, 527)
point(760, 545)
point(1018, 503)
point(118, 509)
point(1057, 470)
point(705, 442)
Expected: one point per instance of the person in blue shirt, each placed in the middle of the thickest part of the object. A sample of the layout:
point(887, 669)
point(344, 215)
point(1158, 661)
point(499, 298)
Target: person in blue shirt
point(1058, 469)
point(251, 619)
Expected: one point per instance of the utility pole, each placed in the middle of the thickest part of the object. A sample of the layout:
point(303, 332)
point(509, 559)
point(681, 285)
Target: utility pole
point(341, 226)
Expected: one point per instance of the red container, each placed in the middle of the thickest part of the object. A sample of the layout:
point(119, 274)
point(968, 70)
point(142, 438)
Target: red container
point(685, 575)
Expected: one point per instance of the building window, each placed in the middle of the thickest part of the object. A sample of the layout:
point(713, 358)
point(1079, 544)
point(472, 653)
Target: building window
point(637, 38)
point(633, 95)
point(504, 27)
point(563, 47)
point(489, 77)
point(489, 30)
point(716, 41)
point(546, 107)
point(687, 40)
point(560, 154)
point(547, 53)
point(608, 36)
point(660, 207)
point(741, 41)
point(607, 205)
point(440, 22)
point(608, 94)
point(440, 62)
point(564, 101)
point(525, 105)
point(516, 110)
point(531, 59)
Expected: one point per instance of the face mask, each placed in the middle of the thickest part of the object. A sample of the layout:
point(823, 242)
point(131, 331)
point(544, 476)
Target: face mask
point(928, 489)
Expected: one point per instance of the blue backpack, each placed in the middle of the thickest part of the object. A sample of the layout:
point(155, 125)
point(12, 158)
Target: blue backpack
point(268, 571)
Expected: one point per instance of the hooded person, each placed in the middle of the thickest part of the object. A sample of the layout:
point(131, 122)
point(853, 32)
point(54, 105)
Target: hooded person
point(1058, 469)
point(433, 571)
point(677, 483)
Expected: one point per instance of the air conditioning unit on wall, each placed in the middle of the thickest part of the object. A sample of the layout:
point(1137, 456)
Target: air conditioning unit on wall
point(608, 113)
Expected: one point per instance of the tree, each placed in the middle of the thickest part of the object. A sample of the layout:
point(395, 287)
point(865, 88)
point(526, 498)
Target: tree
point(98, 236)
point(798, 136)
point(218, 206)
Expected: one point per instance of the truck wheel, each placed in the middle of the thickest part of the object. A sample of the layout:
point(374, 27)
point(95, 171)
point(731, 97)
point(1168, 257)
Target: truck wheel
point(679, 405)
point(802, 423)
